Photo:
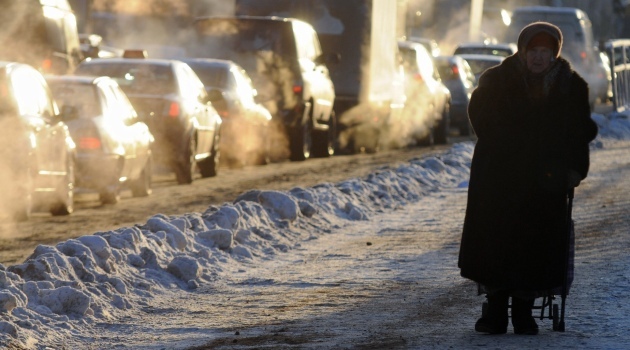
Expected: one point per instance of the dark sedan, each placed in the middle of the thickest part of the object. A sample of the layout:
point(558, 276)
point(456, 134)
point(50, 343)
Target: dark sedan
point(172, 101)
point(460, 80)
point(246, 131)
point(37, 157)
point(479, 63)
point(113, 146)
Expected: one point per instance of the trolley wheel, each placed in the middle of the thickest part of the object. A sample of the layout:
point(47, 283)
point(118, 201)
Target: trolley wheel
point(556, 317)
point(484, 309)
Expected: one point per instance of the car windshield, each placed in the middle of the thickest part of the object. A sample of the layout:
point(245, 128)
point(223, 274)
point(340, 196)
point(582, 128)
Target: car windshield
point(243, 39)
point(214, 76)
point(80, 96)
point(134, 78)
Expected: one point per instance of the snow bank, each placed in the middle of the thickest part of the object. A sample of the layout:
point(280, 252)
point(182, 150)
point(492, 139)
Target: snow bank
point(61, 289)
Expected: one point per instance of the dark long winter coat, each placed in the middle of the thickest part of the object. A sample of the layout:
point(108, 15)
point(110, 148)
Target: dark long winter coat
point(515, 222)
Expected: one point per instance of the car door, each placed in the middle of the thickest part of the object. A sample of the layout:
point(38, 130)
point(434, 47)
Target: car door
point(316, 74)
point(115, 115)
point(49, 135)
point(140, 138)
point(203, 116)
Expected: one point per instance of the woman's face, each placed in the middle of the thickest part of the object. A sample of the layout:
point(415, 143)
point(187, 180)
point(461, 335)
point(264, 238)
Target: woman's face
point(539, 58)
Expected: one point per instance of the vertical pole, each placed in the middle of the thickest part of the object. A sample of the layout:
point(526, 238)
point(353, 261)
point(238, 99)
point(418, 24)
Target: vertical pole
point(476, 13)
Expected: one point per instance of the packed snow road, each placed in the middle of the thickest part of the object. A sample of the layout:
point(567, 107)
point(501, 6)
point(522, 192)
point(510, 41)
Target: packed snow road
point(391, 282)
point(398, 287)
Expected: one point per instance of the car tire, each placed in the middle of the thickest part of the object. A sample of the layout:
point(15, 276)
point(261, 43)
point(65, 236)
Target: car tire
point(141, 187)
point(109, 194)
point(262, 154)
point(427, 140)
point(23, 201)
point(209, 167)
point(64, 203)
point(441, 131)
point(300, 138)
point(466, 128)
point(185, 169)
point(324, 141)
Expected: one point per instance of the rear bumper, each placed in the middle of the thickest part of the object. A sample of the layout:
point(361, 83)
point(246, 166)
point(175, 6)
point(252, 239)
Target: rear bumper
point(98, 171)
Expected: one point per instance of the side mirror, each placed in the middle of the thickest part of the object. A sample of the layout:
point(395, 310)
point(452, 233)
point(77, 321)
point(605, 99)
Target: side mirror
point(69, 112)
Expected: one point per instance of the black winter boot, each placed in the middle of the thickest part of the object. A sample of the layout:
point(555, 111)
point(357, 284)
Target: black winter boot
point(495, 320)
point(522, 319)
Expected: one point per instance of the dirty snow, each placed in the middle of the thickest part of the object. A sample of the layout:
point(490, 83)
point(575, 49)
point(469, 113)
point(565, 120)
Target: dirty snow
point(59, 295)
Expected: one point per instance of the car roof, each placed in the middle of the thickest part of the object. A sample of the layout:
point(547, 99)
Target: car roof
point(479, 57)
point(80, 79)
point(510, 46)
point(449, 58)
point(9, 64)
point(215, 62)
point(408, 43)
point(549, 9)
point(118, 60)
point(419, 39)
point(249, 17)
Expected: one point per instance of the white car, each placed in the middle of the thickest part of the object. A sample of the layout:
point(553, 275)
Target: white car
point(426, 94)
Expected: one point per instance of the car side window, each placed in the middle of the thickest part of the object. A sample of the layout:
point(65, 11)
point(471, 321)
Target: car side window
point(190, 84)
point(32, 96)
point(110, 104)
point(308, 47)
point(245, 89)
point(127, 112)
point(119, 106)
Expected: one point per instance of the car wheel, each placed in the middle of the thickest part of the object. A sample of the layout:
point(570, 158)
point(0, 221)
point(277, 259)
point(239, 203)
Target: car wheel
point(324, 141)
point(442, 129)
point(209, 167)
point(262, 154)
point(64, 205)
point(109, 194)
point(141, 187)
point(466, 128)
point(185, 169)
point(301, 139)
point(427, 140)
point(23, 200)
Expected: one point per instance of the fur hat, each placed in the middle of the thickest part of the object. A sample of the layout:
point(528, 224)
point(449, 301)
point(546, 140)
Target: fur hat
point(542, 34)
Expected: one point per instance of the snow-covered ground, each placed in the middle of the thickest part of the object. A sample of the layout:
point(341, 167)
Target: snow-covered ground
point(68, 295)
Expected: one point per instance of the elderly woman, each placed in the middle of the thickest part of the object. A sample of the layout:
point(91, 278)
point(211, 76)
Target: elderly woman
point(532, 118)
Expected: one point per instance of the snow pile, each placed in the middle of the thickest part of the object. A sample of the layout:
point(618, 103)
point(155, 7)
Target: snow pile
point(60, 290)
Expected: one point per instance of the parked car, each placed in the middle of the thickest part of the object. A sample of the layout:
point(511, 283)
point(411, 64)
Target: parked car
point(169, 97)
point(284, 58)
point(483, 48)
point(605, 79)
point(426, 92)
point(41, 33)
point(430, 44)
point(246, 133)
point(460, 80)
point(113, 146)
point(479, 63)
point(37, 157)
point(92, 47)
